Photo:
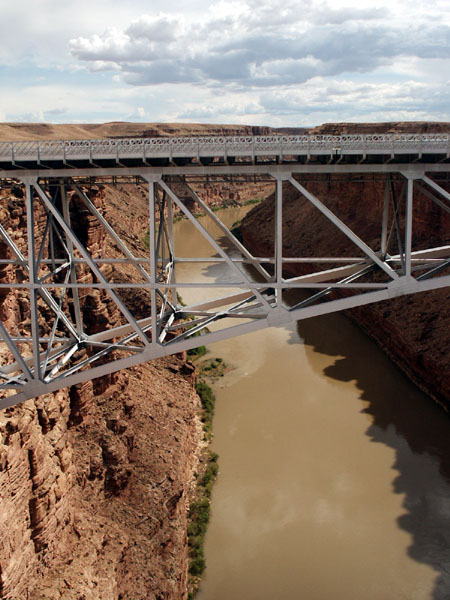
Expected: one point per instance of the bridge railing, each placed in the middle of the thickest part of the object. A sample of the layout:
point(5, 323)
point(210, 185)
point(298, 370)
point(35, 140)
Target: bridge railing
point(191, 147)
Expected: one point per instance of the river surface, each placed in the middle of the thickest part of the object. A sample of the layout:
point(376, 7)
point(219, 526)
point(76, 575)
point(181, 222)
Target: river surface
point(334, 478)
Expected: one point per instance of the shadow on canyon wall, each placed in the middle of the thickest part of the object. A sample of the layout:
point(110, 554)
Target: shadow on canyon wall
point(407, 421)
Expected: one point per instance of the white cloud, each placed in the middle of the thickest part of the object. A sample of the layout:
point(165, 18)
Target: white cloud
point(254, 61)
point(262, 47)
point(154, 30)
point(65, 103)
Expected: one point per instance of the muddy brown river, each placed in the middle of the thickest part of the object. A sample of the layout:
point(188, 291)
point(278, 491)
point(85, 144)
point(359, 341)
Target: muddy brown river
point(334, 478)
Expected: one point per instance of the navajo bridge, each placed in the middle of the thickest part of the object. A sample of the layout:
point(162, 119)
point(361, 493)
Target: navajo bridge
point(54, 348)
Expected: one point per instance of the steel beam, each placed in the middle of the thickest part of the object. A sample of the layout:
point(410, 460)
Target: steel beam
point(187, 344)
point(76, 242)
point(278, 237)
point(255, 305)
point(153, 260)
point(73, 270)
point(432, 197)
point(243, 278)
point(408, 227)
point(346, 230)
point(385, 220)
point(33, 279)
point(416, 170)
point(437, 188)
point(236, 243)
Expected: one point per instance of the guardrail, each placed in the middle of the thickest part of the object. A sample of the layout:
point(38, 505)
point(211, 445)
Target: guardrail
point(236, 146)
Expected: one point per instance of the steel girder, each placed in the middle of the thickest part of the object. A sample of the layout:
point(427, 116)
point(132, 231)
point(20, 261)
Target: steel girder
point(333, 148)
point(57, 275)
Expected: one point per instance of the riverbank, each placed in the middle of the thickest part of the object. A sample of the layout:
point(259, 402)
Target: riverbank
point(333, 466)
point(200, 506)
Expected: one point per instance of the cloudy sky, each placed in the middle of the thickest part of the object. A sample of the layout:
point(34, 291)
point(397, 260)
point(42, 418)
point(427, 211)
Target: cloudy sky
point(300, 62)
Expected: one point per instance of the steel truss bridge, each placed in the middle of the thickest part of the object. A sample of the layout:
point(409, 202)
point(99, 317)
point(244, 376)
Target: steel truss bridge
point(53, 347)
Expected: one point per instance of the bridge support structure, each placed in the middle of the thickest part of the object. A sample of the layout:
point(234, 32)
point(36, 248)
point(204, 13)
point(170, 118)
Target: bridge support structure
point(56, 346)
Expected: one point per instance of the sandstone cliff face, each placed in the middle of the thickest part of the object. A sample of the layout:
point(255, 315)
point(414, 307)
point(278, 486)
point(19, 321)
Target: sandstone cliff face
point(131, 200)
point(94, 486)
point(388, 127)
point(413, 330)
point(95, 479)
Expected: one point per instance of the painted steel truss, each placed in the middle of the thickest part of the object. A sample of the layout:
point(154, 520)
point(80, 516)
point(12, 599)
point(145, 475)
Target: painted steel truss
point(58, 278)
point(227, 149)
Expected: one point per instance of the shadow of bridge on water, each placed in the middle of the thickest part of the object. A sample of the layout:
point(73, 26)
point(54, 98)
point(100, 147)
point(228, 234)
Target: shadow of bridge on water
point(407, 421)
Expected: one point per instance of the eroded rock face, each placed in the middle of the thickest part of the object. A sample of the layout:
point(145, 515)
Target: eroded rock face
point(93, 489)
point(36, 470)
point(387, 127)
point(95, 479)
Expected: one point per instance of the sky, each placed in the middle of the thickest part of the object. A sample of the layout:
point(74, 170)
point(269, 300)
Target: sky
point(257, 62)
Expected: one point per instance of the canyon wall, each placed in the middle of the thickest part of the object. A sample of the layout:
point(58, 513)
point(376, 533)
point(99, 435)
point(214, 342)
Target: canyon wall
point(12, 132)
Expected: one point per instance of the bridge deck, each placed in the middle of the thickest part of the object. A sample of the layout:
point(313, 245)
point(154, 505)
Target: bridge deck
point(181, 151)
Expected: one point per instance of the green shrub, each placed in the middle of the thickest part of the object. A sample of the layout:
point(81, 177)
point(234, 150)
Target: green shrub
point(199, 513)
point(197, 352)
point(207, 399)
point(199, 510)
point(197, 566)
point(253, 201)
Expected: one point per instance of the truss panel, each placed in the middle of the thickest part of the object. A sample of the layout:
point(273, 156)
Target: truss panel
point(81, 316)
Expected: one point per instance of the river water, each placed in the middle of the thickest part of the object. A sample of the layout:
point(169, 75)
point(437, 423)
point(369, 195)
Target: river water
point(334, 478)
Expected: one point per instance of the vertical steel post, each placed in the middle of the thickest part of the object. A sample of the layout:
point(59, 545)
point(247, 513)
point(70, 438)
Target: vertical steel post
point(153, 260)
point(73, 270)
point(33, 278)
point(162, 245)
point(279, 241)
point(408, 226)
point(385, 220)
point(51, 239)
point(396, 206)
point(171, 245)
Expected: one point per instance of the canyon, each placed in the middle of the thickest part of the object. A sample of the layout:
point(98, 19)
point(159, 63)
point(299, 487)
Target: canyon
point(96, 480)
